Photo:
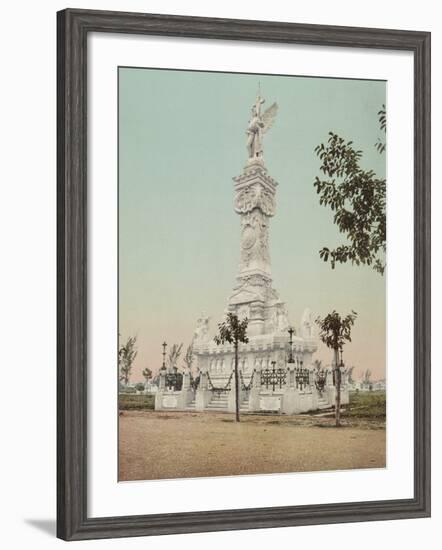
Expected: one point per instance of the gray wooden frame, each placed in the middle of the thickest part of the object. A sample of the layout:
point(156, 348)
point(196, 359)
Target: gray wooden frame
point(73, 28)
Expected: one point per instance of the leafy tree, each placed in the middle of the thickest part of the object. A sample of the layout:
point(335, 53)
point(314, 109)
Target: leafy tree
point(334, 332)
point(126, 357)
point(233, 331)
point(358, 199)
point(174, 355)
point(147, 374)
point(139, 386)
point(382, 114)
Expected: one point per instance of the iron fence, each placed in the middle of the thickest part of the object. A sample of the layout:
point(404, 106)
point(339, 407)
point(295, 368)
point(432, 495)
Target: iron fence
point(273, 378)
point(174, 381)
point(302, 378)
point(320, 380)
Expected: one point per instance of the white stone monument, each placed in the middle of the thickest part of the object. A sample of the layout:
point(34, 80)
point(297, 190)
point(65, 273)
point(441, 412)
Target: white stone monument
point(253, 295)
point(275, 366)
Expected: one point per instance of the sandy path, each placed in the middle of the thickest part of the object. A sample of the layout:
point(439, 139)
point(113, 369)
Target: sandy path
point(159, 445)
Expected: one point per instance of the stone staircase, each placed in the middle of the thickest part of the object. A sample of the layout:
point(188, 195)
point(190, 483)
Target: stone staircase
point(218, 402)
point(191, 405)
point(323, 403)
point(244, 405)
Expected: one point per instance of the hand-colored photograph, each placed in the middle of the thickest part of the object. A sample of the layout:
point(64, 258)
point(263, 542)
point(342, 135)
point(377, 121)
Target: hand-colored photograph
point(252, 274)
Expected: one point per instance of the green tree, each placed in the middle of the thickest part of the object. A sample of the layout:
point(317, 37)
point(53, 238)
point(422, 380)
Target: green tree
point(126, 356)
point(382, 114)
point(233, 331)
point(139, 386)
point(358, 199)
point(334, 332)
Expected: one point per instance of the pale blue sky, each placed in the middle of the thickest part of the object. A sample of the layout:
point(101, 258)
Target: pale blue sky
point(181, 140)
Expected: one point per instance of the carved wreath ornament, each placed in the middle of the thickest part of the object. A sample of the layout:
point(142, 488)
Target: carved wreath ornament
point(254, 197)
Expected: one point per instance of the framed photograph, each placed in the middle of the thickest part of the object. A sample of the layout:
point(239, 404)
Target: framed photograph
point(243, 274)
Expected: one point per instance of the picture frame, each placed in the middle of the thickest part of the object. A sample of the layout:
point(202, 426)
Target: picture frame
point(73, 28)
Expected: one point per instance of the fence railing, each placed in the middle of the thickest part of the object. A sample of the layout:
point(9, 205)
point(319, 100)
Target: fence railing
point(174, 381)
point(273, 378)
point(320, 379)
point(302, 378)
point(269, 378)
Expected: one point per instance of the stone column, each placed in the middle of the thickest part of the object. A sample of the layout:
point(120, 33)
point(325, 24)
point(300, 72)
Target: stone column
point(254, 390)
point(162, 381)
point(290, 399)
point(186, 379)
point(314, 391)
point(330, 391)
point(203, 394)
point(255, 204)
point(161, 390)
point(291, 375)
point(187, 393)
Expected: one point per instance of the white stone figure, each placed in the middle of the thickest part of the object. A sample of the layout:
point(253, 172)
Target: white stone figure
point(282, 321)
point(307, 324)
point(278, 322)
point(201, 333)
point(259, 124)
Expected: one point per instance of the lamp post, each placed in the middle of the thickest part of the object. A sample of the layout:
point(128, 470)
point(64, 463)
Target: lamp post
point(164, 356)
point(291, 331)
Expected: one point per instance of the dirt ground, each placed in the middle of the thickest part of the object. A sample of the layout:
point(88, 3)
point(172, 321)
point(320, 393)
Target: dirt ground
point(163, 445)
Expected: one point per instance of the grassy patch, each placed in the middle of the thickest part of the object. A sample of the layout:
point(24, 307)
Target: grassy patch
point(130, 402)
point(367, 405)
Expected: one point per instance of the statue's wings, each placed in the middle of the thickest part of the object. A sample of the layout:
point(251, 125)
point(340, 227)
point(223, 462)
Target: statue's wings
point(269, 116)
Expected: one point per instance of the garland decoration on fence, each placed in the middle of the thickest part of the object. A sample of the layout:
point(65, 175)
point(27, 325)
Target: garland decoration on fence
point(220, 390)
point(244, 386)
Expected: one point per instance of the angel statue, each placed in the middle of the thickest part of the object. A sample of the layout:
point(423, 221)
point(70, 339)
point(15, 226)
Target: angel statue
point(258, 126)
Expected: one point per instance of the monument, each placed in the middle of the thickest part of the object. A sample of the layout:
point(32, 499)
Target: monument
point(276, 371)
